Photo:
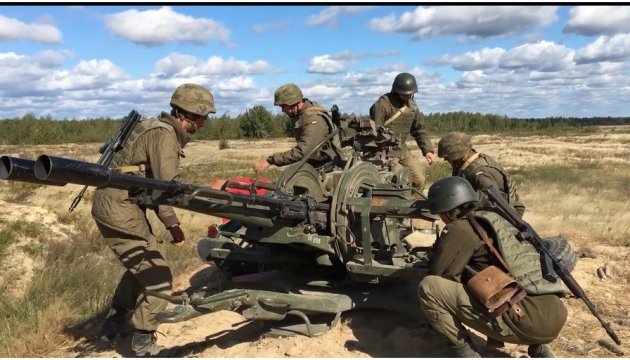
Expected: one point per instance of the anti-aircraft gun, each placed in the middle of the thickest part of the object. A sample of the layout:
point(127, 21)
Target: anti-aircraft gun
point(313, 246)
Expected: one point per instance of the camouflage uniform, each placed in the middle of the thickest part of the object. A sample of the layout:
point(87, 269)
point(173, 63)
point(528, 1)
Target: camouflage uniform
point(409, 121)
point(312, 125)
point(157, 145)
point(479, 169)
point(447, 304)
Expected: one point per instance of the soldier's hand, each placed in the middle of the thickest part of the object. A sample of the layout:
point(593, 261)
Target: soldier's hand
point(178, 235)
point(430, 156)
point(261, 165)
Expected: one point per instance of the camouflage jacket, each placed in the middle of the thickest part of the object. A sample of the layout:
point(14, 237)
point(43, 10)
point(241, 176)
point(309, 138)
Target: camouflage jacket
point(410, 122)
point(312, 125)
point(482, 171)
point(157, 144)
point(459, 246)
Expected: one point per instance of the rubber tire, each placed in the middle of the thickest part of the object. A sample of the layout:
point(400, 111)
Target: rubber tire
point(562, 250)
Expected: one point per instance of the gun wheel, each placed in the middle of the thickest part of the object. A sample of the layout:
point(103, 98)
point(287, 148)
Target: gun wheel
point(305, 181)
point(354, 183)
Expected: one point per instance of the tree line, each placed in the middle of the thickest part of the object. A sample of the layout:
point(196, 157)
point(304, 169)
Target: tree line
point(259, 123)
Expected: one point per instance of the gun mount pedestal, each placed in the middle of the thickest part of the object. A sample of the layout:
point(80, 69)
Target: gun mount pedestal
point(300, 306)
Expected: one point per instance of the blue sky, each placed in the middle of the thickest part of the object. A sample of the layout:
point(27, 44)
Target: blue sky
point(520, 61)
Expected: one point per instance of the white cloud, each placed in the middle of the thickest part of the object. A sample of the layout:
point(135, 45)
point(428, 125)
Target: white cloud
point(326, 64)
point(329, 16)
point(156, 27)
point(598, 20)
point(52, 58)
point(338, 63)
point(87, 74)
point(472, 21)
point(277, 26)
point(616, 48)
point(20, 74)
point(12, 29)
point(473, 60)
point(235, 84)
point(176, 64)
point(541, 56)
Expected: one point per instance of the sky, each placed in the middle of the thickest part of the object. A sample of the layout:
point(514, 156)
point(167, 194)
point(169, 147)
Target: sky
point(516, 60)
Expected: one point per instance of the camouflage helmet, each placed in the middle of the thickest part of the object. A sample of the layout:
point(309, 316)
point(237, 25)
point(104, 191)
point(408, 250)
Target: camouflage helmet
point(454, 145)
point(450, 193)
point(405, 84)
point(193, 98)
point(287, 94)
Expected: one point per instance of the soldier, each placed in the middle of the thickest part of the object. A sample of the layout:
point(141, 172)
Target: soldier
point(312, 125)
point(398, 111)
point(479, 169)
point(153, 150)
point(464, 247)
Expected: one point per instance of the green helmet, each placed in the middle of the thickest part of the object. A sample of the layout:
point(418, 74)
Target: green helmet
point(287, 94)
point(405, 84)
point(193, 98)
point(449, 193)
point(454, 145)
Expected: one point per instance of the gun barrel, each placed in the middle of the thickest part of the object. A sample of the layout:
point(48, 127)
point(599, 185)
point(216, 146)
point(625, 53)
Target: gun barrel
point(52, 168)
point(18, 169)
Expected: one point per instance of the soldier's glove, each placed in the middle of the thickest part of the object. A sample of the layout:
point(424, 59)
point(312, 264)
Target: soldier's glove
point(177, 234)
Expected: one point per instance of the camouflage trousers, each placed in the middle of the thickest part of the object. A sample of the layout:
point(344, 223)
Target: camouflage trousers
point(448, 307)
point(414, 165)
point(146, 269)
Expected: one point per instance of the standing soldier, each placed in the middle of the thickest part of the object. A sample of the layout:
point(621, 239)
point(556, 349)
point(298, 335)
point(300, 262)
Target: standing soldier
point(398, 111)
point(153, 150)
point(312, 125)
point(479, 169)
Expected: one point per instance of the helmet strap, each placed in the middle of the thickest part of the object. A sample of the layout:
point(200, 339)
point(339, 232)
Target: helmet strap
point(183, 117)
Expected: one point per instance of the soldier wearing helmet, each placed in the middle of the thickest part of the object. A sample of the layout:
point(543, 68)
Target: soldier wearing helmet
point(534, 317)
point(312, 124)
point(153, 149)
point(479, 169)
point(398, 111)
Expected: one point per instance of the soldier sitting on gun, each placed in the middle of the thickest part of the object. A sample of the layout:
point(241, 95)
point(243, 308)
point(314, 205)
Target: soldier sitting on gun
point(153, 150)
point(479, 169)
point(398, 111)
point(312, 125)
point(467, 245)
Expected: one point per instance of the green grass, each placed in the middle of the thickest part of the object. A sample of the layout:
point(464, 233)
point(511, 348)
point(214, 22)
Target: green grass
point(20, 191)
point(224, 169)
point(10, 232)
point(605, 180)
point(76, 281)
point(438, 170)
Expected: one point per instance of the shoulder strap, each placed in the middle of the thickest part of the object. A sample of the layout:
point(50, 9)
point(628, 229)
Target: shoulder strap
point(396, 115)
point(467, 163)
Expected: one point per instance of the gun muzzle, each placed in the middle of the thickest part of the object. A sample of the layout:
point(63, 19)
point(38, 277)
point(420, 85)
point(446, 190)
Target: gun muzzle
point(17, 169)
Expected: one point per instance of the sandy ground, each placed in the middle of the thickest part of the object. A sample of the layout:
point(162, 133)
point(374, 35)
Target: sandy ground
point(380, 333)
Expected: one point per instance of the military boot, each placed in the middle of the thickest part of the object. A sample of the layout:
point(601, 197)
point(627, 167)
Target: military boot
point(143, 345)
point(540, 351)
point(464, 350)
point(114, 324)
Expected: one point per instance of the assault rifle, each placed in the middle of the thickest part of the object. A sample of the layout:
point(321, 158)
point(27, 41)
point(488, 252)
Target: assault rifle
point(111, 147)
point(551, 267)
